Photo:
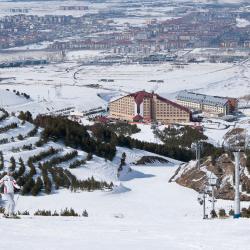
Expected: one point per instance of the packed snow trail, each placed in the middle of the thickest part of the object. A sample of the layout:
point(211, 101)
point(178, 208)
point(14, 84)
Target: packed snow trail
point(154, 214)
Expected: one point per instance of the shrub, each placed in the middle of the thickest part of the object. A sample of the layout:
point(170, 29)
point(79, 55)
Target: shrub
point(231, 212)
point(33, 132)
point(26, 212)
point(8, 127)
point(37, 187)
point(85, 213)
point(74, 135)
point(245, 212)
point(55, 213)
point(46, 181)
point(213, 214)
point(27, 187)
point(27, 116)
point(89, 157)
point(77, 163)
point(20, 137)
point(222, 213)
point(42, 213)
point(27, 147)
point(4, 141)
point(69, 212)
point(43, 154)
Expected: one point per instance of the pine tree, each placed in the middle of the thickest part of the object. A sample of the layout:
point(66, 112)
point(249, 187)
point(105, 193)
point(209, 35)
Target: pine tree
point(27, 187)
point(85, 213)
point(89, 157)
point(213, 214)
point(1, 161)
point(37, 187)
point(21, 169)
point(12, 164)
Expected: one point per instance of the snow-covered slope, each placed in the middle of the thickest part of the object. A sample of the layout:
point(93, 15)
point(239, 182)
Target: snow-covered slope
point(154, 214)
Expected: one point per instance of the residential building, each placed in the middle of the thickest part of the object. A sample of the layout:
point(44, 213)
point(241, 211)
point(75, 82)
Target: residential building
point(211, 104)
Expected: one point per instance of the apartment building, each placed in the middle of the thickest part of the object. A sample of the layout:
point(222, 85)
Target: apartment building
point(211, 104)
point(148, 107)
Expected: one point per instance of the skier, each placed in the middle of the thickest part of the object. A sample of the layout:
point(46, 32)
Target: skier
point(9, 184)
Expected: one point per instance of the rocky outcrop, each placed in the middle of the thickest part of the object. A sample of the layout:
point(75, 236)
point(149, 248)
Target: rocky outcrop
point(149, 160)
point(221, 169)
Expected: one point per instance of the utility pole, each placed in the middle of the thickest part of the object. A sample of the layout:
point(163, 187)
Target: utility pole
point(237, 185)
point(198, 153)
point(204, 205)
point(213, 183)
point(237, 143)
point(202, 200)
point(213, 199)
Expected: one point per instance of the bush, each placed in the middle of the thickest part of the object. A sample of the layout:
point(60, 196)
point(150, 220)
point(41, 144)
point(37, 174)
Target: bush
point(77, 163)
point(74, 135)
point(213, 214)
point(222, 213)
point(37, 187)
point(69, 212)
point(89, 157)
point(42, 213)
point(33, 132)
point(4, 141)
point(46, 181)
point(27, 187)
point(27, 147)
point(245, 212)
point(55, 213)
point(43, 154)
point(2, 210)
point(20, 137)
point(8, 127)
point(27, 116)
point(26, 212)
point(231, 212)
point(59, 159)
point(85, 213)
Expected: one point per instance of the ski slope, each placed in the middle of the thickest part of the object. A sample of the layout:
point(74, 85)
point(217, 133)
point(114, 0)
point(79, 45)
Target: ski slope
point(151, 214)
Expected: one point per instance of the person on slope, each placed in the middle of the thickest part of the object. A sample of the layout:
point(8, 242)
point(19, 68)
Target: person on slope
point(9, 184)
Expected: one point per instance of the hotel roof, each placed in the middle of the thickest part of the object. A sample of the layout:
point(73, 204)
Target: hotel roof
point(202, 99)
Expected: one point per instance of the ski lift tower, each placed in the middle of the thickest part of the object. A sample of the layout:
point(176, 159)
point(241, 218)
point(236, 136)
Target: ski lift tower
point(197, 147)
point(237, 143)
point(213, 183)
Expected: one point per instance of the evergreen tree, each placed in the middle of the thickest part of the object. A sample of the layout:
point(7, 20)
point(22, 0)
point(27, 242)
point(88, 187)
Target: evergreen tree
point(37, 187)
point(213, 214)
point(21, 169)
point(1, 161)
point(28, 186)
point(89, 157)
point(85, 213)
point(12, 164)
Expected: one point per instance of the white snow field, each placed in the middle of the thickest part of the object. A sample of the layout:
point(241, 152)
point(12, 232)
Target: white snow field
point(151, 214)
point(61, 85)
